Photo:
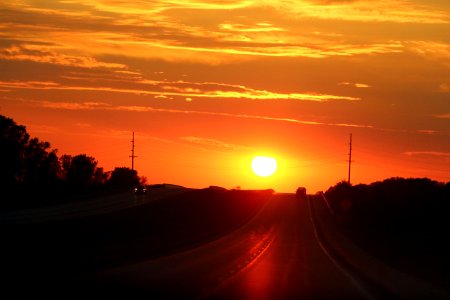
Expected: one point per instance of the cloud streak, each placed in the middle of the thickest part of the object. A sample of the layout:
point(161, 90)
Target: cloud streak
point(150, 31)
point(398, 11)
point(183, 89)
point(44, 54)
point(428, 153)
point(136, 108)
point(357, 85)
point(443, 116)
point(213, 143)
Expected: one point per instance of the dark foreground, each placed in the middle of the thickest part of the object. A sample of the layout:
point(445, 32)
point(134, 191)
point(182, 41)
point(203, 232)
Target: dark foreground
point(276, 255)
point(51, 253)
point(203, 244)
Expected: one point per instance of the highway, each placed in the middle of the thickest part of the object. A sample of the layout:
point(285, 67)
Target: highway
point(276, 255)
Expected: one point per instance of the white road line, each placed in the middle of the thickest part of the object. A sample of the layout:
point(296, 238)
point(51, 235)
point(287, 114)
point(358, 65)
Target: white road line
point(352, 278)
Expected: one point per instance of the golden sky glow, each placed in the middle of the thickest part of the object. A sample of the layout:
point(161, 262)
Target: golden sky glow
point(207, 85)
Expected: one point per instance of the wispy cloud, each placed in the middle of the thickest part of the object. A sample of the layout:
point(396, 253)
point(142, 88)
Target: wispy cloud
point(431, 50)
point(365, 10)
point(213, 142)
point(45, 54)
point(147, 30)
point(357, 85)
point(227, 52)
point(258, 27)
point(136, 108)
point(443, 116)
point(73, 105)
point(183, 89)
point(444, 87)
point(428, 131)
point(143, 8)
point(427, 153)
point(399, 11)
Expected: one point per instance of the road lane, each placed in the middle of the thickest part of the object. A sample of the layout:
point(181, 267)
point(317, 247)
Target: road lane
point(295, 266)
point(274, 256)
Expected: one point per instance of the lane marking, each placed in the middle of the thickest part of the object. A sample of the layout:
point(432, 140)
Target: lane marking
point(241, 267)
point(347, 273)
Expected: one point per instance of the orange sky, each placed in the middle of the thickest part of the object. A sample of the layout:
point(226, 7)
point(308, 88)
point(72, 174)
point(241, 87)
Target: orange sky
point(207, 85)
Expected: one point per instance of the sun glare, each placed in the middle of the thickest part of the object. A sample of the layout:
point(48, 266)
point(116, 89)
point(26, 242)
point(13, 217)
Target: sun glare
point(264, 166)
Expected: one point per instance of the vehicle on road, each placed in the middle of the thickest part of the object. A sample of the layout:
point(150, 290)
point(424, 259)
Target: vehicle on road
point(300, 193)
point(140, 190)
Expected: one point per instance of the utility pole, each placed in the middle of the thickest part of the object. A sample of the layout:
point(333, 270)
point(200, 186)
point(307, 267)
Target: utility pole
point(350, 159)
point(132, 153)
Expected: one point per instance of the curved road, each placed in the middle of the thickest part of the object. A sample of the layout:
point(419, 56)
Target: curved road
point(276, 255)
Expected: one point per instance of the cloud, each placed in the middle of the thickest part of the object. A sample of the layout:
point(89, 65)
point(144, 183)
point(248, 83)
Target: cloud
point(45, 54)
point(182, 89)
point(328, 2)
point(398, 11)
point(365, 10)
point(258, 27)
point(226, 52)
point(445, 87)
point(213, 142)
point(147, 30)
point(427, 153)
point(443, 116)
point(428, 131)
point(430, 50)
point(152, 7)
point(357, 85)
point(83, 125)
point(73, 105)
point(136, 108)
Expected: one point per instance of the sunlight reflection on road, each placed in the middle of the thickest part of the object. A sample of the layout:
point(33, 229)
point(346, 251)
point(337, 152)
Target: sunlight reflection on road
point(259, 284)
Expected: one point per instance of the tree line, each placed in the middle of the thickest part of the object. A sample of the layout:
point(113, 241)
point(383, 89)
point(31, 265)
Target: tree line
point(31, 172)
point(392, 204)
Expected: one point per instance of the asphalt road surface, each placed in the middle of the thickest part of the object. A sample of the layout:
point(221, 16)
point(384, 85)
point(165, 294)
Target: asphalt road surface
point(277, 255)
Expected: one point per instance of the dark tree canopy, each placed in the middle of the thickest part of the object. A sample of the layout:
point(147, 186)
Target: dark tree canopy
point(392, 202)
point(80, 171)
point(13, 143)
point(123, 178)
point(30, 171)
point(24, 160)
point(41, 165)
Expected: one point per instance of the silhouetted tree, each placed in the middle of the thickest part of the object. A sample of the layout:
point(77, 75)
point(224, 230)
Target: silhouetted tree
point(25, 161)
point(100, 177)
point(31, 170)
point(337, 194)
point(41, 166)
point(65, 161)
point(79, 171)
point(395, 202)
point(13, 142)
point(123, 178)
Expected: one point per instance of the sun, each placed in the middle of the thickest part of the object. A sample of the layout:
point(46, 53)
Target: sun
point(264, 166)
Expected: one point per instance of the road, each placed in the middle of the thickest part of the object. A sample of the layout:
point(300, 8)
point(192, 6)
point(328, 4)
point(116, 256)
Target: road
point(277, 255)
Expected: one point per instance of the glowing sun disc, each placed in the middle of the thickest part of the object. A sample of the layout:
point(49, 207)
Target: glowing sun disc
point(264, 166)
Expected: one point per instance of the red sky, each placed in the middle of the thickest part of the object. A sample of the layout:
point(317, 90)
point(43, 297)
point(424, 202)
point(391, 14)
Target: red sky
point(207, 85)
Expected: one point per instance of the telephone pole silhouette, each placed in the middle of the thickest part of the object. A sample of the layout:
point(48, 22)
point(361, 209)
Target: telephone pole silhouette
point(132, 153)
point(350, 159)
